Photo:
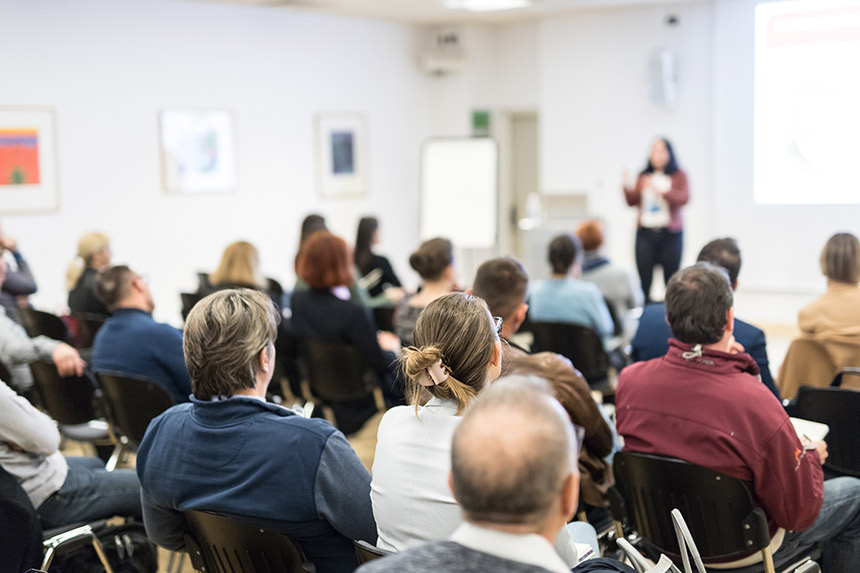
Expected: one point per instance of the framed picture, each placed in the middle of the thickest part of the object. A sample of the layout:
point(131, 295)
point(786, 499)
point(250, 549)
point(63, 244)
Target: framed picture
point(198, 151)
point(28, 160)
point(342, 154)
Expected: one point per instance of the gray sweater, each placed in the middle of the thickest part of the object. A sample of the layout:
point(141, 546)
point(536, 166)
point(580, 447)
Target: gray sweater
point(29, 442)
point(447, 556)
point(17, 350)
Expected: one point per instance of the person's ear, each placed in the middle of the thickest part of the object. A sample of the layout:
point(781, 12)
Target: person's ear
point(570, 496)
point(520, 313)
point(264, 359)
point(497, 353)
point(730, 320)
point(451, 485)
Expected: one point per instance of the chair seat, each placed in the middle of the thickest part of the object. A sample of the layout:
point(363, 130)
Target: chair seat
point(93, 430)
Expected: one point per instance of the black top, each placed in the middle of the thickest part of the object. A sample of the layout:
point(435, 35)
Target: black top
point(82, 298)
point(388, 277)
point(318, 314)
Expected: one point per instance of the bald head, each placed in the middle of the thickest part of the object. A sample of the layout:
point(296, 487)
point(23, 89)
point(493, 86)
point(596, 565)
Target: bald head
point(512, 454)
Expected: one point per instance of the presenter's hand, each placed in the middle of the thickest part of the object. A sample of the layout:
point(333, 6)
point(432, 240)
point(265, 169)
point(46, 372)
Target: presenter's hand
point(68, 361)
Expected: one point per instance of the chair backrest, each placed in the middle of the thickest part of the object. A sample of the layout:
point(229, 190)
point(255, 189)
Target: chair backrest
point(579, 344)
point(365, 552)
point(189, 299)
point(383, 316)
point(88, 326)
point(228, 545)
point(719, 509)
point(839, 409)
point(133, 403)
point(41, 323)
point(337, 372)
point(69, 400)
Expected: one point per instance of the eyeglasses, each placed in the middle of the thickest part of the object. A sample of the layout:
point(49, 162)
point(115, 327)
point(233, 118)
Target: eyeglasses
point(498, 320)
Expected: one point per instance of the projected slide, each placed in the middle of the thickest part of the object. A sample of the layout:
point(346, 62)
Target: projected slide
point(807, 103)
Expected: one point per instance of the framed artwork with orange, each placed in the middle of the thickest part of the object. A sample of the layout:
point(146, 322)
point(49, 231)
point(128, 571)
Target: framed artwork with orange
point(28, 171)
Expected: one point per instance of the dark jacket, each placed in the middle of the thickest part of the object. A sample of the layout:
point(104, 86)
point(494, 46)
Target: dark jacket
point(18, 282)
point(652, 341)
point(131, 342)
point(719, 416)
point(246, 458)
point(82, 298)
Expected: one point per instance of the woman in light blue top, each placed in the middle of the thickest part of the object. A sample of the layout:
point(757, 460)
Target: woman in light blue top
point(564, 297)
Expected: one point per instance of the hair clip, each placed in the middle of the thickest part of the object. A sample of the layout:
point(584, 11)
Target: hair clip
point(435, 374)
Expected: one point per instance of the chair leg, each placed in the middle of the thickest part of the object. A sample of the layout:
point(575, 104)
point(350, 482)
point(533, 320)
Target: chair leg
point(767, 558)
point(115, 457)
point(174, 564)
point(102, 556)
point(49, 556)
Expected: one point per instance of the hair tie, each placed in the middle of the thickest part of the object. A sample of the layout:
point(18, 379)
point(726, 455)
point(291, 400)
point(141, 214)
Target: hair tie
point(434, 375)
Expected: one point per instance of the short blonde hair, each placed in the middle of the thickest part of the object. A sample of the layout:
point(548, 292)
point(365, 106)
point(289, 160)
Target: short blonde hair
point(840, 258)
point(224, 335)
point(457, 329)
point(240, 265)
point(88, 246)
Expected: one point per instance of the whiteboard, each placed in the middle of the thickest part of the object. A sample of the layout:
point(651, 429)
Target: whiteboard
point(459, 191)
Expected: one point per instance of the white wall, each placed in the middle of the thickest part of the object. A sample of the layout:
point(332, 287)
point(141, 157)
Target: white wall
point(108, 67)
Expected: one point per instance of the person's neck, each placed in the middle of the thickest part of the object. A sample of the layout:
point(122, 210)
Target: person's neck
point(723, 345)
point(259, 391)
point(547, 531)
point(509, 329)
point(132, 303)
point(431, 290)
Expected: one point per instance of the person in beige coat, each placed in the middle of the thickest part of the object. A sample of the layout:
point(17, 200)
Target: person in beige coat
point(837, 312)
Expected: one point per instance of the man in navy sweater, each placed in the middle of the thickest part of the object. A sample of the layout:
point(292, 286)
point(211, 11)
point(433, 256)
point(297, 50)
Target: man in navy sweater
point(131, 342)
point(652, 336)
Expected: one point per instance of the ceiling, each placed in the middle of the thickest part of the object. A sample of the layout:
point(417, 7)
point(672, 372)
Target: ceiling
point(432, 11)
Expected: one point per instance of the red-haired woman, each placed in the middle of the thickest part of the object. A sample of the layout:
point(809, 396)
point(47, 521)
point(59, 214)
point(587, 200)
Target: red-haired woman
point(326, 312)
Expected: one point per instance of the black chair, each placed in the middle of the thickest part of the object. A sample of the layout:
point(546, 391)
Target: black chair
point(720, 510)
point(41, 323)
point(219, 544)
point(384, 317)
point(340, 379)
point(189, 299)
point(132, 404)
point(579, 344)
point(365, 552)
point(5, 375)
point(23, 544)
point(840, 410)
point(88, 326)
point(72, 403)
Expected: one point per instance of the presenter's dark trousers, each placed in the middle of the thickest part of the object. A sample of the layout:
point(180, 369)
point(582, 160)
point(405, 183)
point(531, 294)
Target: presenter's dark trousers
point(657, 247)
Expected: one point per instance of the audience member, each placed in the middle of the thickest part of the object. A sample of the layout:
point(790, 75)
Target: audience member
point(434, 263)
point(514, 475)
point(566, 298)
point(131, 342)
point(369, 262)
point(837, 312)
point(618, 285)
point(503, 284)
point(19, 283)
point(63, 490)
point(327, 312)
point(17, 349)
point(93, 256)
point(720, 416)
point(310, 225)
point(652, 337)
point(246, 458)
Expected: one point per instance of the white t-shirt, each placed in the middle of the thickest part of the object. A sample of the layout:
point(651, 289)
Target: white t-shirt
point(655, 210)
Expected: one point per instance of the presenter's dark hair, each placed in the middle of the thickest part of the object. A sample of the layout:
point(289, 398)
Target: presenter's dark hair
point(367, 226)
point(671, 165)
point(697, 300)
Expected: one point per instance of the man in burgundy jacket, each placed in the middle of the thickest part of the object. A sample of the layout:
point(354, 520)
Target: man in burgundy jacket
point(701, 402)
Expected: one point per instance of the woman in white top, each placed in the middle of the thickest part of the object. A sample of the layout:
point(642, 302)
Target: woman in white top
point(457, 352)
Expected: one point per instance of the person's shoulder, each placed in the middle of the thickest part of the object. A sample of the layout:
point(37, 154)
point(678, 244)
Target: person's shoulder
point(430, 557)
point(745, 330)
point(395, 417)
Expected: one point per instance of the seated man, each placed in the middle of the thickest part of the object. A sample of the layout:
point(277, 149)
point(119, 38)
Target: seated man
point(20, 282)
point(63, 490)
point(652, 336)
point(566, 298)
point(130, 342)
point(17, 349)
point(720, 416)
point(513, 472)
point(232, 453)
point(503, 284)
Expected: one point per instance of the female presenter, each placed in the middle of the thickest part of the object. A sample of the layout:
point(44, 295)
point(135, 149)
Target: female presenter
point(659, 193)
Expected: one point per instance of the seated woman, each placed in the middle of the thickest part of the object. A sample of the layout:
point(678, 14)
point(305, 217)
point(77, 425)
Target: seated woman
point(93, 256)
point(837, 311)
point(240, 268)
point(326, 312)
point(373, 267)
point(566, 298)
point(434, 263)
point(458, 353)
